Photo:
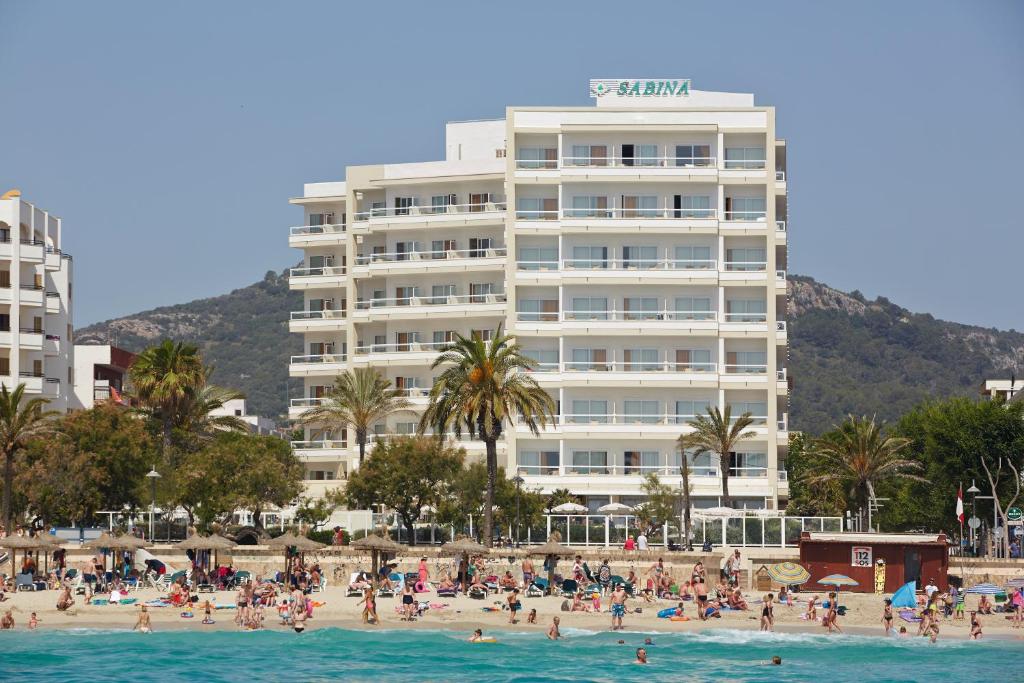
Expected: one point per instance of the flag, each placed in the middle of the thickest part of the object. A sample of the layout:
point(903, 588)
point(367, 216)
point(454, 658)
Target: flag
point(960, 504)
point(116, 396)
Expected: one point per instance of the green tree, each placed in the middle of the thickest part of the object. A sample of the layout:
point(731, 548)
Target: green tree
point(357, 401)
point(661, 504)
point(405, 474)
point(21, 420)
point(821, 498)
point(163, 377)
point(95, 459)
point(484, 384)
point(271, 474)
point(195, 414)
point(717, 433)
point(558, 497)
point(860, 454)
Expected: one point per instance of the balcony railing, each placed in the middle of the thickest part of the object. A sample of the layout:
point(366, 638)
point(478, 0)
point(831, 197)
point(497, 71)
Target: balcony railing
point(616, 316)
point(635, 366)
point(780, 175)
point(306, 402)
point(640, 162)
point(745, 266)
point(746, 317)
point(400, 347)
point(318, 359)
point(442, 255)
point(441, 300)
point(619, 470)
point(745, 369)
point(780, 374)
point(640, 212)
point(744, 215)
point(414, 392)
point(614, 418)
point(780, 226)
point(319, 444)
point(440, 210)
point(321, 271)
point(329, 314)
point(745, 164)
point(326, 229)
point(619, 264)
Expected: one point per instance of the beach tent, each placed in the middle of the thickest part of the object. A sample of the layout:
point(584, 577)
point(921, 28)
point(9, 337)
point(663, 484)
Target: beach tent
point(905, 595)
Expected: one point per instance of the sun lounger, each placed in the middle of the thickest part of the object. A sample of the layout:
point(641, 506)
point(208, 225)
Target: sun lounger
point(24, 582)
point(569, 588)
point(354, 591)
point(477, 592)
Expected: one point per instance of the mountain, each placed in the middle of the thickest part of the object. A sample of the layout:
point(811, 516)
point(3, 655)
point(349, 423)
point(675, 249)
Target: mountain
point(847, 354)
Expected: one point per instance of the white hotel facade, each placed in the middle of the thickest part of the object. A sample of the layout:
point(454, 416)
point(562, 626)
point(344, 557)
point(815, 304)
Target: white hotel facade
point(637, 251)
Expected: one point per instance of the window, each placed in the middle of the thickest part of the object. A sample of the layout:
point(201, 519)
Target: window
point(589, 257)
point(480, 292)
point(439, 294)
point(538, 258)
point(589, 207)
point(499, 153)
point(744, 208)
point(536, 208)
point(693, 257)
point(689, 409)
point(480, 246)
point(745, 311)
point(639, 206)
point(757, 409)
point(405, 428)
point(403, 204)
point(537, 310)
point(640, 462)
point(639, 257)
point(691, 206)
point(744, 157)
point(589, 308)
point(5, 367)
point(320, 219)
point(703, 465)
point(693, 308)
point(588, 155)
point(639, 155)
point(440, 248)
point(404, 250)
point(483, 335)
point(641, 308)
point(640, 360)
point(478, 201)
point(405, 340)
point(317, 264)
point(693, 155)
point(539, 462)
point(748, 464)
point(404, 295)
point(544, 359)
point(377, 208)
point(440, 203)
point(538, 157)
point(5, 279)
point(749, 258)
point(592, 411)
point(746, 362)
point(645, 412)
point(694, 360)
point(584, 360)
point(590, 462)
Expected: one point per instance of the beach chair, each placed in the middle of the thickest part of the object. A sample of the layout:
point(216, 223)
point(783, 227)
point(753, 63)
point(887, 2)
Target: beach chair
point(477, 592)
point(319, 586)
point(242, 577)
point(24, 582)
point(353, 592)
point(569, 588)
point(534, 591)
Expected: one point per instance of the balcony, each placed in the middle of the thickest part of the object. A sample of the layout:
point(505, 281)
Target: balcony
point(614, 425)
point(780, 331)
point(316, 277)
point(403, 353)
point(312, 321)
point(615, 270)
point(414, 307)
point(31, 338)
point(316, 365)
point(666, 373)
point(448, 215)
point(648, 320)
point(615, 218)
point(331, 234)
point(33, 382)
point(298, 406)
point(613, 168)
point(447, 261)
point(322, 449)
point(53, 302)
point(51, 386)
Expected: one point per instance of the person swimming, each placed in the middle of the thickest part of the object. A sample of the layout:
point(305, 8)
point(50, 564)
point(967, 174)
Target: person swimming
point(553, 632)
point(641, 656)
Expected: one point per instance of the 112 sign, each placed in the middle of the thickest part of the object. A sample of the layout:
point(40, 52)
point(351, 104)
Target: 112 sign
point(861, 556)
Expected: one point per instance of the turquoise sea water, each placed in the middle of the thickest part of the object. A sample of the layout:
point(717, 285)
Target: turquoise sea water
point(331, 654)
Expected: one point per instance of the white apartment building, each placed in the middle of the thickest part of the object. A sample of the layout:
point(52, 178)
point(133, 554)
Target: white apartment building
point(35, 303)
point(636, 249)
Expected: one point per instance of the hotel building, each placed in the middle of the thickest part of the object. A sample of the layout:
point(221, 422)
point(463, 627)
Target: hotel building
point(35, 303)
point(637, 251)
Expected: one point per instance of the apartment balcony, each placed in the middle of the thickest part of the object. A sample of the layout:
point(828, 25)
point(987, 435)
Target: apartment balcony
point(780, 231)
point(419, 217)
point(30, 338)
point(661, 322)
point(618, 168)
point(449, 261)
point(419, 307)
point(744, 273)
point(408, 353)
point(54, 257)
point(33, 381)
point(29, 251)
point(325, 364)
point(627, 374)
point(53, 302)
point(782, 429)
point(303, 236)
point(317, 321)
point(781, 333)
point(617, 271)
point(744, 222)
point(51, 344)
point(741, 170)
point(320, 450)
point(298, 406)
point(322, 277)
point(781, 381)
point(51, 387)
point(613, 425)
point(617, 218)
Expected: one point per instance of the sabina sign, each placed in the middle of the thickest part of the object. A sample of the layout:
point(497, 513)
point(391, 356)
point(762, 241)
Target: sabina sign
point(640, 87)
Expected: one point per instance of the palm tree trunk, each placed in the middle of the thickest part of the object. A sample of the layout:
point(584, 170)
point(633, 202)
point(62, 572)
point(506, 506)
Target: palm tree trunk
point(361, 438)
point(8, 485)
point(684, 470)
point(724, 466)
point(492, 474)
point(412, 531)
point(166, 438)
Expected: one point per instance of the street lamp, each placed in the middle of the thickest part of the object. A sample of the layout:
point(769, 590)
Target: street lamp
point(974, 491)
point(518, 480)
point(152, 475)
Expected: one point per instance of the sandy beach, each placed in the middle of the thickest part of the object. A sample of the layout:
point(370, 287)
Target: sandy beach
point(465, 614)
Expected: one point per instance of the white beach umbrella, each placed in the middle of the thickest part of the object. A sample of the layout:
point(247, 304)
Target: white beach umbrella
point(570, 509)
point(615, 509)
point(718, 512)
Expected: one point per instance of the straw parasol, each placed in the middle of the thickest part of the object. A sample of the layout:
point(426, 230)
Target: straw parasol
point(464, 547)
point(549, 550)
point(789, 573)
point(376, 545)
point(107, 541)
point(214, 542)
point(290, 540)
point(25, 543)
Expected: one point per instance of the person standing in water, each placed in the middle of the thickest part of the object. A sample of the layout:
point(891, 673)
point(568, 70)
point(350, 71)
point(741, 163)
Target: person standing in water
point(887, 617)
point(408, 601)
point(143, 624)
point(641, 656)
point(553, 632)
point(768, 614)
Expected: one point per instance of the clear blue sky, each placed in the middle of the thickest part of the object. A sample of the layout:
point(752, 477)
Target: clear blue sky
point(169, 136)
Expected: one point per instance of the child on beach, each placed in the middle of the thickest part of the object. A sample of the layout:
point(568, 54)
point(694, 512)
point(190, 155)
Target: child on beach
point(812, 609)
point(207, 613)
point(596, 602)
point(531, 618)
point(33, 622)
point(975, 626)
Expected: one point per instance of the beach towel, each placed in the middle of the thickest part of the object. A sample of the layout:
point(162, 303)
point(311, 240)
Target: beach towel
point(909, 616)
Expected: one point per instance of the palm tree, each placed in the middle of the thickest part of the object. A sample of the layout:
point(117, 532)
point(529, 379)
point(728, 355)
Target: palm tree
point(18, 424)
point(717, 432)
point(162, 377)
point(485, 384)
point(357, 401)
point(859, 454)
point(202, 400)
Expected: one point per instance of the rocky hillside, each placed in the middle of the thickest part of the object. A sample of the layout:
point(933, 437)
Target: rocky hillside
point(847, 354)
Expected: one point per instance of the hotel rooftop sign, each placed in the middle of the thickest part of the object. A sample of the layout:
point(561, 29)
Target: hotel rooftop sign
point(639, 87)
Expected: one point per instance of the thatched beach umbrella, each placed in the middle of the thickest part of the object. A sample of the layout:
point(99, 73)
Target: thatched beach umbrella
point(25, 543)
point(549, 550)
point(464, 547)
point(111, 542)
point(288, 540)
point(213, 542)
point(376, 545)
